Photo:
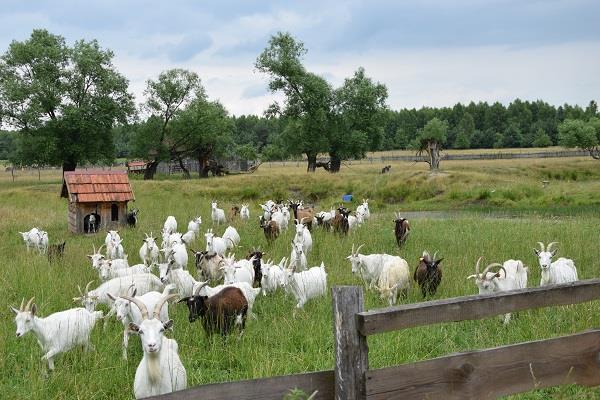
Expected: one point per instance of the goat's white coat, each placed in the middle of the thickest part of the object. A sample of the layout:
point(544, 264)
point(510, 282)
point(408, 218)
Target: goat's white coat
point(231, 237)
point(170, 225)
point(217, 214)
point(144, 283)
point(215, 244)
point(307, 285)
point(394, 278)
point(149, 251)
point(245, 213)
point(31, 238)
point(194, 225)
point(303, 236)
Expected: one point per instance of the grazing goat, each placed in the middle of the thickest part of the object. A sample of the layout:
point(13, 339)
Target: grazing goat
point(160, 371)
point(386, 169)
point(231, 237)
point(58, 332)
point(245, 213)
point(217, 214)
point(302, 214)
point(170, 225)
point(126, 314)
point(394, 279)
point(428, 274)
point(56, 251)
point(306, 285)
point(31, 238)
point(109, 271)
point(401, 229)
point(144, 283)
point(183, 280)
point(149, 251)
point(132, 218)
point(208, 265)
point(270, 228)
point(369, 267)
point(220, 312)
point(560, 271)
point(298, 260)
point(489, 282)
point(250, 293)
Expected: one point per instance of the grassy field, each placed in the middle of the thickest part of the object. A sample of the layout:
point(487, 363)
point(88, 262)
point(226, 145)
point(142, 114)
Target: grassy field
point(504, 211)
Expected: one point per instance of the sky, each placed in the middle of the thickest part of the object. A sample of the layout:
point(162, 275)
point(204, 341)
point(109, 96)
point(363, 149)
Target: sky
point(427, 53)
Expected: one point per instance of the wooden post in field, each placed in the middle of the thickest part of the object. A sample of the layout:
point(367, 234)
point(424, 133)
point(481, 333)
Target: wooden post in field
point(351, 351)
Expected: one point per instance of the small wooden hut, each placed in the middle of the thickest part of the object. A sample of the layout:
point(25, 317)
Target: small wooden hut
point(101, 194)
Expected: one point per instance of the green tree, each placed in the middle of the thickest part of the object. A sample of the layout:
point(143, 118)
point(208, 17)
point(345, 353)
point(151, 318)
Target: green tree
point(165, 98)
point(308, 97)
point(581, 134)
point(64, 100)
point(431, 139)
point(7, 144)
point(541, 139)
point(465, 129)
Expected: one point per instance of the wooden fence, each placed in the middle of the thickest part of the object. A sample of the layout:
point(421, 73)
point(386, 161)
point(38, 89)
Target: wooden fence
point(481, 374)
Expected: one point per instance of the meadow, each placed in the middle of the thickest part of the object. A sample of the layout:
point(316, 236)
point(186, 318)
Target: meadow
point(496, 209)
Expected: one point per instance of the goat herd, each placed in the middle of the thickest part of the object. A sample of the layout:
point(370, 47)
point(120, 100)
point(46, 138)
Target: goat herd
point(224, 307)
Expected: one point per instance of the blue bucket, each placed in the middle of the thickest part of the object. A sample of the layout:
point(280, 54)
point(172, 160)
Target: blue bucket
point(347, 197)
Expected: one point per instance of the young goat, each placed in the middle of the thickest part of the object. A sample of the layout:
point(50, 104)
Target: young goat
point(215, 244)
point(270, 228)
point(160, 371)
point(217, 214)
point(58, 332)
point(303, 236)
point(560, 271)
point(273, 276)
point(208, 265)
point(220, 312)
point(240, 271)
point(132, 218)
point(114, 249)
point(364, 209)
point(401, 229)
point(31, 238)
point(245, 213)
point(149, 251)
point(301, 214)
point(298, 260)
point(428, 274)
point(194, 225)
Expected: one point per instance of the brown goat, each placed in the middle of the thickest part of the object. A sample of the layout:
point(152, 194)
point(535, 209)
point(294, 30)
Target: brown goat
point(401, 230)
point(340, 221)
point(270, 228)
point(428, 274)
point(304, 215)
point(234, 212)
point(220, 312)
point(56, 251)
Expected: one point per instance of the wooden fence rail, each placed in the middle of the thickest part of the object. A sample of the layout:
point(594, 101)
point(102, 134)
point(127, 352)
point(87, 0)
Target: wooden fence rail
point(480, 374)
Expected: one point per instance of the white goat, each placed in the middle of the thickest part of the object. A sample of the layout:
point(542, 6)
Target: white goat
point(58, 332)
point(194, 225)
point(364, 209)
point(114, 249)
point(267, 209)
point(126, 314)
point(560, 271)
point(306, 285)
point(31, 238)
point(43, 242)
point(245, 213)
point(231, 237)
point(215, 244)
point(160, 370)
point(217, 214)
point(188, 237)
point(177, 253)
point(109, 270)
point(394, 279)
point(184, 282)
point(354, 221)
point(170, 225)
point(303, 236)
point(368, 267)
point(241, 271)
point(489, 282)
point(279, 218)
point(112, 236)
point(149, 251)
point(273, 276)
point(298, 260)
point(144, 283)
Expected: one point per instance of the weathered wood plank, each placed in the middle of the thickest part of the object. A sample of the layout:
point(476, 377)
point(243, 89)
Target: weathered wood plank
point(488, 374)
point(268, 388)
point(475, 307)
point(351, 351)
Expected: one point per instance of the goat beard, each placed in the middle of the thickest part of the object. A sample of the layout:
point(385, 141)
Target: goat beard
point(152, 360)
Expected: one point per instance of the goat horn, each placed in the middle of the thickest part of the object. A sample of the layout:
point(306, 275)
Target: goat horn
point(22, 304)
point(359, 247)
point(549, 248)
point(28, 305)
point(160, 303)
point(100, 248)
point(425, 254)
point(502, 268)
point(87, 287)
point(434, 255)
point(94, 248)
point(352, 248)
point(139, 304)
point(490, 266)
point(542, 247)
point(477, 265)
point(80, 292)
point(197, 290)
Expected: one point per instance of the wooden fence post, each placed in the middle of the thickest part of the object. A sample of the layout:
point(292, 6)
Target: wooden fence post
point(351, 351)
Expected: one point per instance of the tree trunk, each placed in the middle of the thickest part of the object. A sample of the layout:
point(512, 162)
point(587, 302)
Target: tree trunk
point(203, 165)
point(312, 162)
point(186, 173)
point(434, 156)
point(150, 170)
point(67, 166)
point(335, 163)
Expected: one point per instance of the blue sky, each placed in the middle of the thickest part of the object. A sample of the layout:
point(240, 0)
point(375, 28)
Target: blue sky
point(433, 53)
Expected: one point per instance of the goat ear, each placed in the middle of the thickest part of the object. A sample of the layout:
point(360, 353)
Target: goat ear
point(14, 310)
point(537, 252)
point(438, 261)
point(168, 324)
point(110, 296)
point(33, 309)
point(89, 256)
point(553, 252)
point(134, 328)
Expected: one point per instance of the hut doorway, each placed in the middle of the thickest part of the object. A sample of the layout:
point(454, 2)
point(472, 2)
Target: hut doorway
point(91, 226)
point(114, 212)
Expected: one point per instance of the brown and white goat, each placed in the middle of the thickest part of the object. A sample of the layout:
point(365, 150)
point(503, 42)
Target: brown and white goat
point(401, 230)
point(305, 215)
point(428, 274)
point(270, 228)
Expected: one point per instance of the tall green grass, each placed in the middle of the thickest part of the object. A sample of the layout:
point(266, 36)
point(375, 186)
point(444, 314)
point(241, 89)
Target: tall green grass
point(277, 342)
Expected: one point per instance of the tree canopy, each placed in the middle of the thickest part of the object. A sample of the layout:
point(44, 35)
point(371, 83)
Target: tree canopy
point(582, 134)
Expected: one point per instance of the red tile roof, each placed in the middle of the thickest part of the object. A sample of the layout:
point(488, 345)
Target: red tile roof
point(98, 186)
